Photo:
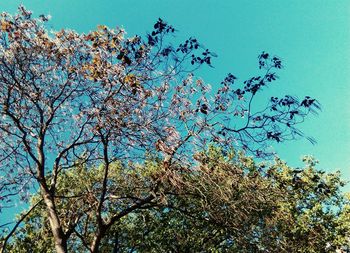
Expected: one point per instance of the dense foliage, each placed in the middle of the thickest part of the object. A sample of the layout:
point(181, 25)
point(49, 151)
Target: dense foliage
point(228, 203)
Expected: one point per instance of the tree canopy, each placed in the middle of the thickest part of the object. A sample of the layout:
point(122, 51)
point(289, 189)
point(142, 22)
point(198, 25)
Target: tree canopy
point(229, 203)
point(70, 101)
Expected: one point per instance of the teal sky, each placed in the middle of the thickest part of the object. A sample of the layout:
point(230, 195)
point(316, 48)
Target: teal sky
point(312, 37)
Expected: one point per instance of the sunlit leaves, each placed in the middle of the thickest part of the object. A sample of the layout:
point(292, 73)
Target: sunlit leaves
point(102, 97)
point(228, 203)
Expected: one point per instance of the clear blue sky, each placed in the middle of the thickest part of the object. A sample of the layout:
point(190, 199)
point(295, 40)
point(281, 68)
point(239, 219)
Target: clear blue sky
point(312, 37)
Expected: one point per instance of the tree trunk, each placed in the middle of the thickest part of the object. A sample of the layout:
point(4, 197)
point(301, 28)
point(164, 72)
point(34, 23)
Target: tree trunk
point(56, 228)
point(116, 243)
point(48, 197)
point(96, 243)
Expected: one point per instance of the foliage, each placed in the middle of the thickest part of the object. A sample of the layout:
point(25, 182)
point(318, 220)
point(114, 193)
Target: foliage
point(98, 98)
point(229, 203)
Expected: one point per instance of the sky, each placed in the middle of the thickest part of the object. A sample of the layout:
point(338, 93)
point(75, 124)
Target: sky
point(312, 38)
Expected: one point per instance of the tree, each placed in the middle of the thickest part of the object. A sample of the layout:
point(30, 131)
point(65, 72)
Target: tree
point(229, 203)
point(98, 98)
